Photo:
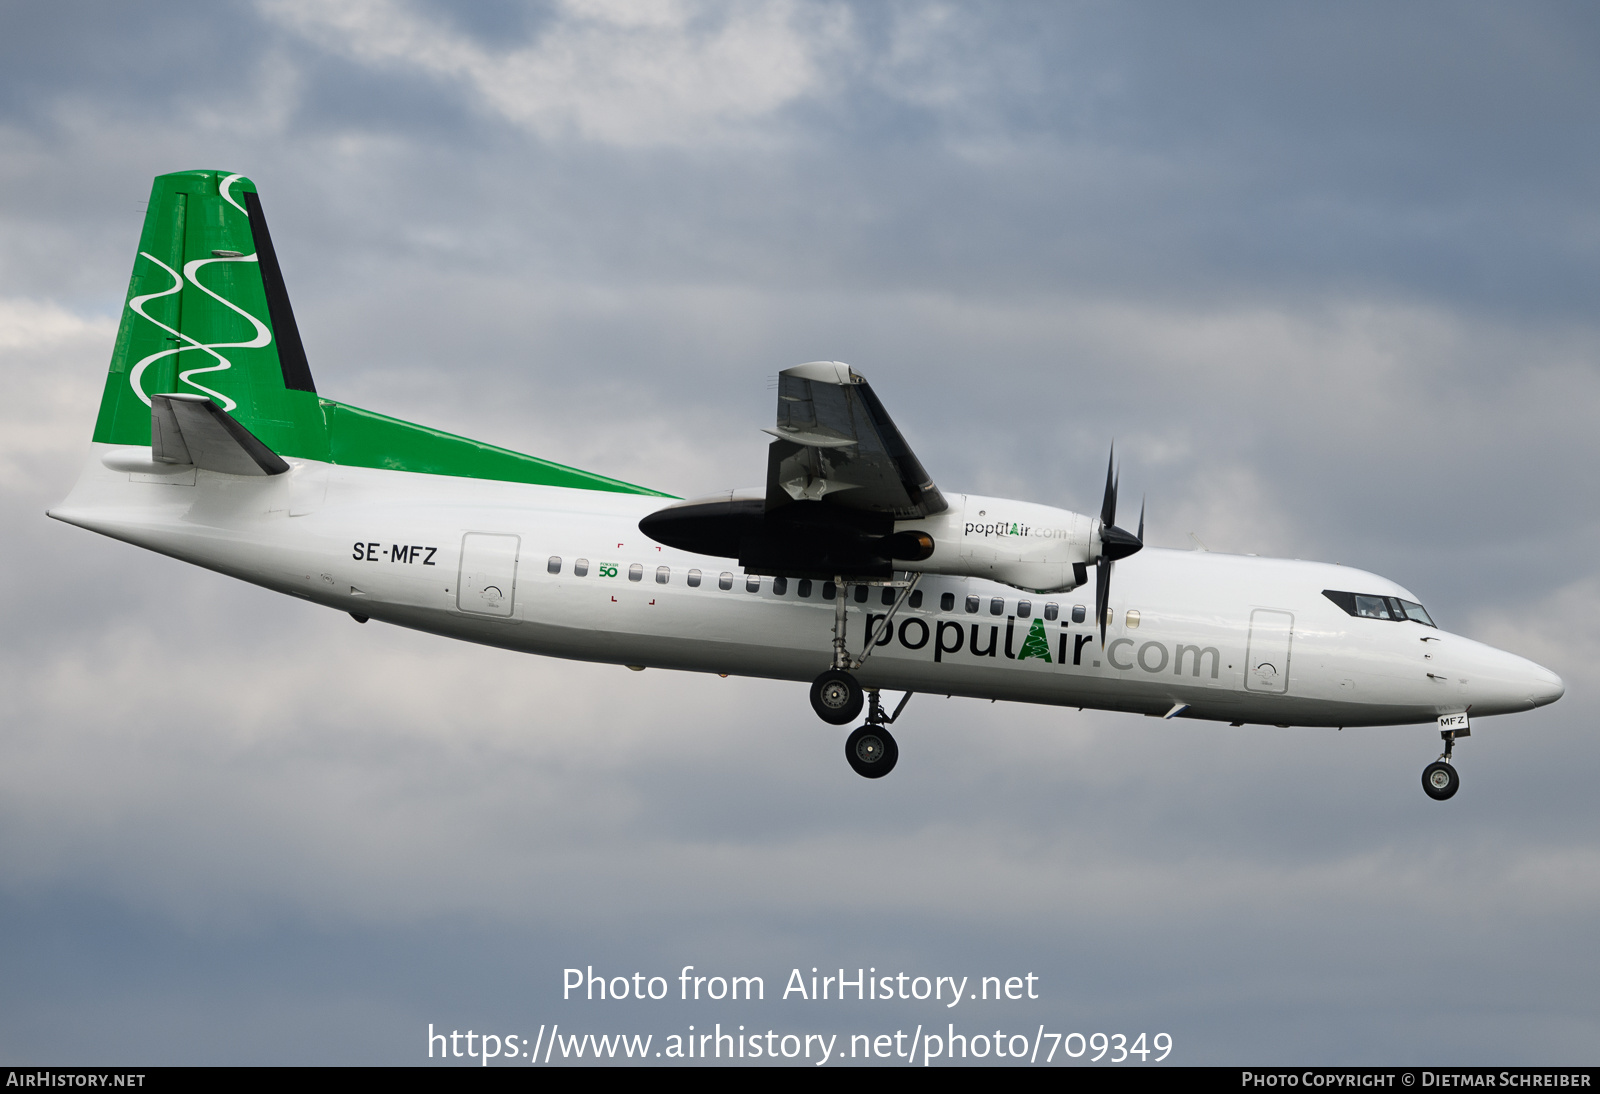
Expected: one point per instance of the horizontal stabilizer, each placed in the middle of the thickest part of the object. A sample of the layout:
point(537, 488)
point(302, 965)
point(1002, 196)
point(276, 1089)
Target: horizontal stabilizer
point(191, 429)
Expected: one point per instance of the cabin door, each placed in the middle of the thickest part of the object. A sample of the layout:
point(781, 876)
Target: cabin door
point(488, 581)
point(1267, 657)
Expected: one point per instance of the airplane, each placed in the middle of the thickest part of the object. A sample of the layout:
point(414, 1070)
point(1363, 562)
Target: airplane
point(849, 568)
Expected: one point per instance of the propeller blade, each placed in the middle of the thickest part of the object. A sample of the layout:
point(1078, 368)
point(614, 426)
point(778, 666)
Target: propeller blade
point(1108, 507)
point(1115, 543)
point(1102, 595)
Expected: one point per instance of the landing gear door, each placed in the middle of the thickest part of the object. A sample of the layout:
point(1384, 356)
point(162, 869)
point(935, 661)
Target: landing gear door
point(488, 581)
point(1267, 657)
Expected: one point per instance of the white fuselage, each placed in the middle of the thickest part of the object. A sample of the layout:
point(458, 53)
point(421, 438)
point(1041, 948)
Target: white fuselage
point(1228, 637)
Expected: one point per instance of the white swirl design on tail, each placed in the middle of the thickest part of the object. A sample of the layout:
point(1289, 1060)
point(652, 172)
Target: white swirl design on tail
point(227, 197)
point(136, 305)
point(263, 334)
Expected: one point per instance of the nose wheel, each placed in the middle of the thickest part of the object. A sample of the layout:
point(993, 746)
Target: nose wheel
point(1439, 779)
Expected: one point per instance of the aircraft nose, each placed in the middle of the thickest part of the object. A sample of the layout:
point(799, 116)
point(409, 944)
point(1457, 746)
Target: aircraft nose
point(1545, 686)
point(1503, 683)
point(1513, 683)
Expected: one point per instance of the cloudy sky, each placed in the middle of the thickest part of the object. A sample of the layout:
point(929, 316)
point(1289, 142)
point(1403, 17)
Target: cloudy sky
point(1327, 275)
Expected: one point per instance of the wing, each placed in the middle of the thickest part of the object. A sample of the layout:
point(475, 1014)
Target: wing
point(837, 445)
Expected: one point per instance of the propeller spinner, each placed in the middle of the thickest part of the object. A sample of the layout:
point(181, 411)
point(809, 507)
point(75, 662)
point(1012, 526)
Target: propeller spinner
point(1115, 543)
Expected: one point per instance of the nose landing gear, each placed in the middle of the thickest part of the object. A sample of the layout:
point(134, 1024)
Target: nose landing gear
point(1439, 779)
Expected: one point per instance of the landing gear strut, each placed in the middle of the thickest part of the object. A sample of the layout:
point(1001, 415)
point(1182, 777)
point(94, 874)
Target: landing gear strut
point(1439, 779)
point(871, 750)
point(835, 695)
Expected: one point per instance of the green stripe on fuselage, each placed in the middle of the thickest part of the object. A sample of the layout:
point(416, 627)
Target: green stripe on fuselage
point(360, 438)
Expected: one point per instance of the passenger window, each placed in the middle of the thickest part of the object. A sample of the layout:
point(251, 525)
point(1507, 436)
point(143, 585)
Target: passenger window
point(1052, 611)
point(803, 590)
point(1133, 619)
point(693, 580)
point(554, 565)
point(636, 572)
point(663, 574)
point(752, 583)
point(1024, 609)
point(1079, 613)
point(581, 567)
point(889, 594)
point(780, 585)
point(972, 604)
point(997, 606)
point(829, 590)
point(861, 594)
point(725, 581)
point(916, 598)
point(947, 602)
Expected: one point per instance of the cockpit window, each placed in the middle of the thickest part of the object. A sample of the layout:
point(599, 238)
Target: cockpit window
point(1364, 606)
point(1372, 607)
point(1416, 612)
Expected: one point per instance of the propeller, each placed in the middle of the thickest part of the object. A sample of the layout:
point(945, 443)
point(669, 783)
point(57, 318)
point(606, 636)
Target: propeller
point(1115, 543)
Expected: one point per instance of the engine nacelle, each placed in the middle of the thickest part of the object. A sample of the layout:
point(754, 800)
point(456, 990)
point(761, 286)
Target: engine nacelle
point(1023, 544)
point(1035, 547)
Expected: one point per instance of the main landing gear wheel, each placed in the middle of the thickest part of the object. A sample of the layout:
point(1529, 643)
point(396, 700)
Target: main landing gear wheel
point(871, 752)
point(1440, 781)
point(836, 697)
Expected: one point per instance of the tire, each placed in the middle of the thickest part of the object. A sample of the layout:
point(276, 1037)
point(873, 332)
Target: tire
point(871, 752)
point(1440, 781)
point(836, 697)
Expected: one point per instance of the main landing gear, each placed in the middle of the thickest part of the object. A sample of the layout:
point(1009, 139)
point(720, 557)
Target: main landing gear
point(870, 751)
point(838, 697)
point(1439, 779)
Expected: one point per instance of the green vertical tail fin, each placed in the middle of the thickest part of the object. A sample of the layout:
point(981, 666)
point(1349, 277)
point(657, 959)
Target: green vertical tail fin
point(207, 314)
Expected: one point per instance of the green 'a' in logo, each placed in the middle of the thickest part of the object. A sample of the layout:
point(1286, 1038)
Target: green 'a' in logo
point(1036, 644)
